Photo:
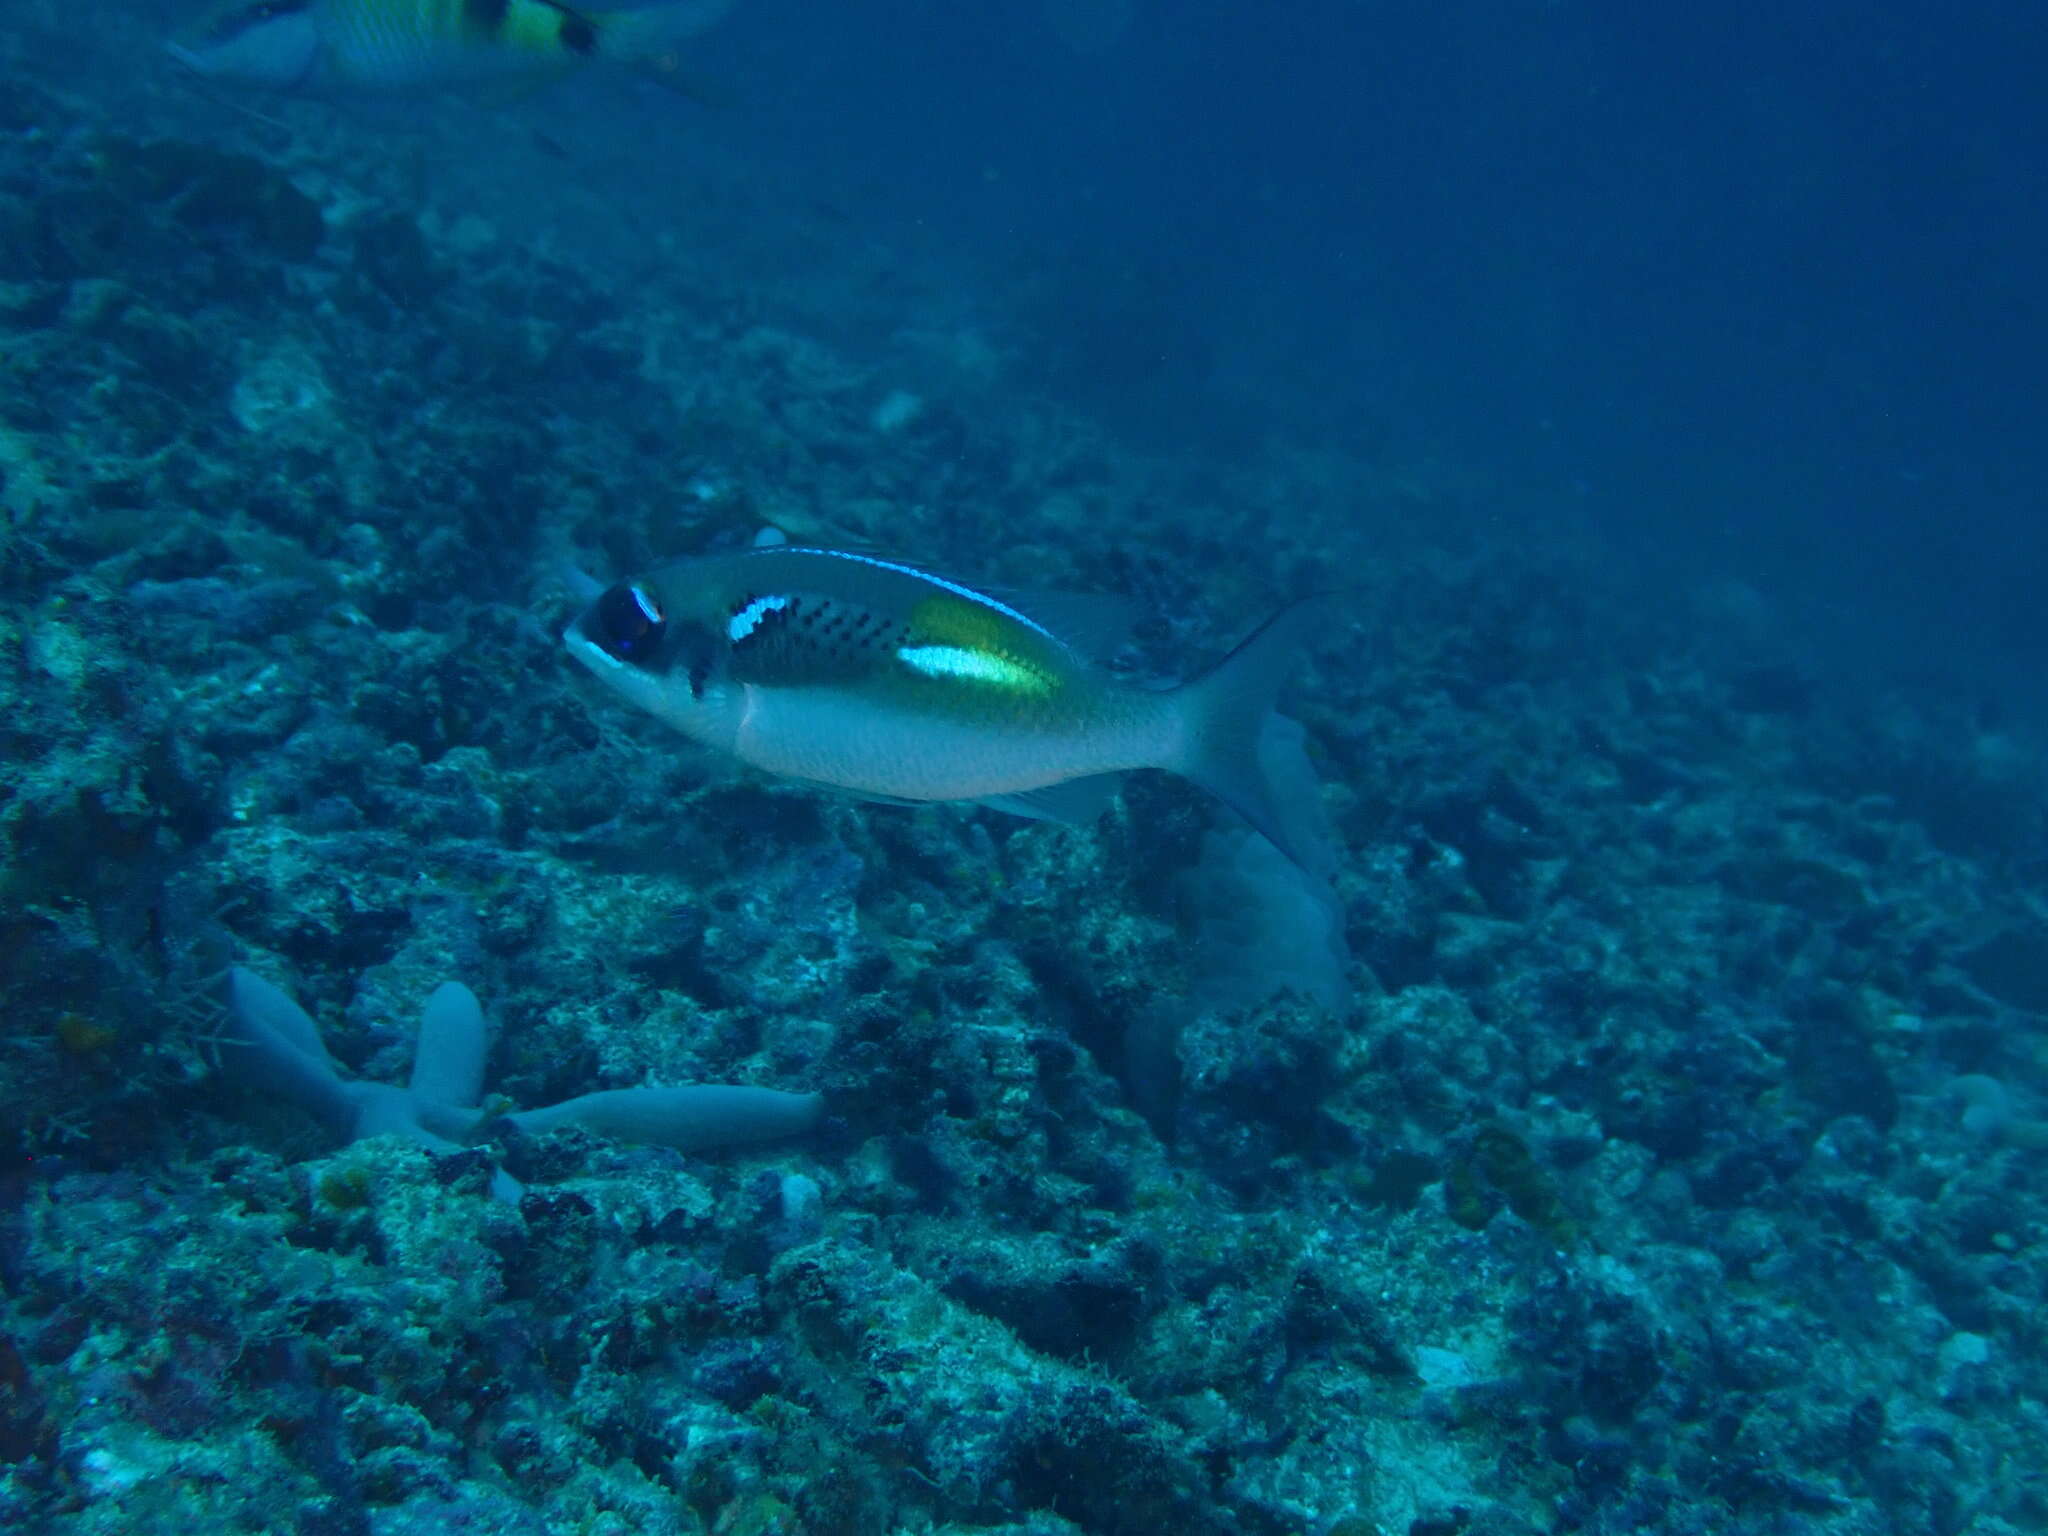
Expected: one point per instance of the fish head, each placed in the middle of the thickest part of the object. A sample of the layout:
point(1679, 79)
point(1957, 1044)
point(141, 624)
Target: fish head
point(657, 643)
point(273, 43)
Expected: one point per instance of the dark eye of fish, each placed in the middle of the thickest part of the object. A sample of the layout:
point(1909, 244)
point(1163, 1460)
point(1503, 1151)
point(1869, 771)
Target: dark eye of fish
point(628, 623)
point(240, 21)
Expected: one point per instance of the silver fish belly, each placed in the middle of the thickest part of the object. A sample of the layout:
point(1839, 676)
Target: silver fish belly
point(896, 683)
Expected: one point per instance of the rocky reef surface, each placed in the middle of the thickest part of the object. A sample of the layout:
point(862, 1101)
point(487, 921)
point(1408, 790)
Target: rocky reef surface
point(1671, 1158)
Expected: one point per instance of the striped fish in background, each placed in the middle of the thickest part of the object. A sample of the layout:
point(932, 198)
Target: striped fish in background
point(343, 47)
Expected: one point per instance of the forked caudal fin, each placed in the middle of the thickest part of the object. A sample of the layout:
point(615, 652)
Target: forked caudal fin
point(1224, 714)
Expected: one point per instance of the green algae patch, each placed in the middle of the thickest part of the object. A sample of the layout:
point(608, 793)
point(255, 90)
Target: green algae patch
point(1499, 1169)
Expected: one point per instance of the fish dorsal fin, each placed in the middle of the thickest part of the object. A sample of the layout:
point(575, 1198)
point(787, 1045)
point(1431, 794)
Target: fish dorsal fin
point(1090, 625)
point(1093, 624)
point(888, 585)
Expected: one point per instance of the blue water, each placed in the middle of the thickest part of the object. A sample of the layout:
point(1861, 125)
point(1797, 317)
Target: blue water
point(1762, 285)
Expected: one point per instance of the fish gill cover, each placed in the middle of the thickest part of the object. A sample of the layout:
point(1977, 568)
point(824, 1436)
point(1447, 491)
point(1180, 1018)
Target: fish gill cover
point(1639, 1127)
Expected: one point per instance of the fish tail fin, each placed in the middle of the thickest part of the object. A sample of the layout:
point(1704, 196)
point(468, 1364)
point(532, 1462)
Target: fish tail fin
point(1224, 716)
point(649, 40)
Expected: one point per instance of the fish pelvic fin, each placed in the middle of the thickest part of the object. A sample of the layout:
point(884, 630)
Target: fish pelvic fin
point(1224, 719)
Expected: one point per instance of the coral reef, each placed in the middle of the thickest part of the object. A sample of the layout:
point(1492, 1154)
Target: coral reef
point(1665, 1155)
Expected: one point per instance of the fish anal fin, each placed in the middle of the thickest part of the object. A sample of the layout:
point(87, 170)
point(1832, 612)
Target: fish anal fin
point(840, 791)
point(1071, 802)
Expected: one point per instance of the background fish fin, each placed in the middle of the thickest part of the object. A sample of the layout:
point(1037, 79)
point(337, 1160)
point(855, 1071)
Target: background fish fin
point(1284, 759)
point(1229, 751)
point(649, 41)
point(1074, 802)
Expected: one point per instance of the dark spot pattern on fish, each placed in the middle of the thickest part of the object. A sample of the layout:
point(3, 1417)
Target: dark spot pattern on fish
point(804, 637)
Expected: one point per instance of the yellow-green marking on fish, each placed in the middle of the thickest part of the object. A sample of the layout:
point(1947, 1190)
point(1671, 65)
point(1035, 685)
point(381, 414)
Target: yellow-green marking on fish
point(897, 683)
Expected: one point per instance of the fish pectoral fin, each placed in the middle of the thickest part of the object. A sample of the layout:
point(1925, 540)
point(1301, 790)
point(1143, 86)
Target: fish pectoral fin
point(1073, 802)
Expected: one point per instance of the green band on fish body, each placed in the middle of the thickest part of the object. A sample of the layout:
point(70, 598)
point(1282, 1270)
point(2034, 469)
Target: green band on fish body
point(973, 642)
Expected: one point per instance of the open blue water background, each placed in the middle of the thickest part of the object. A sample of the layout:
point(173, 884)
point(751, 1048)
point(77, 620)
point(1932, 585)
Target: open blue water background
point(1758, 287)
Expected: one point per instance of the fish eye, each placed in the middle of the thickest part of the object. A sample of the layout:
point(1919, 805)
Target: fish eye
point(627, 623)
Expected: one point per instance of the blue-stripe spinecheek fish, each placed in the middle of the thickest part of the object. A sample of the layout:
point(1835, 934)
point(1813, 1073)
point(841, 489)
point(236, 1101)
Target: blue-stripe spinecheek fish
point(894, 683)
point(341, 47)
